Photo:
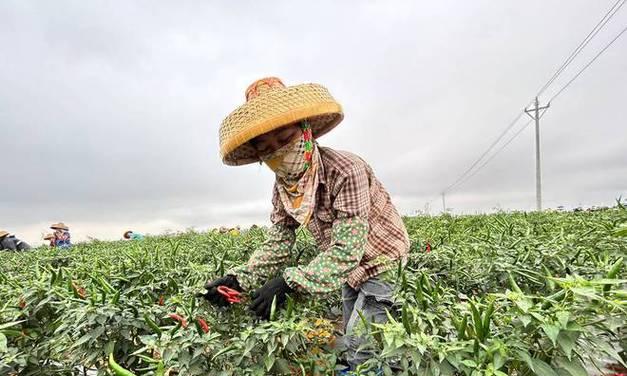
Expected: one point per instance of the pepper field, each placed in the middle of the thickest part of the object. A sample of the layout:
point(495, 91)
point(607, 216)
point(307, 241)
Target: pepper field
point(501, 294)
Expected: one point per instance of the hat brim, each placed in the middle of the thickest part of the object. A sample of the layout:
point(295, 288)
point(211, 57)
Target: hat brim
point(56, 227)
point(3, 234)
point(273, 110)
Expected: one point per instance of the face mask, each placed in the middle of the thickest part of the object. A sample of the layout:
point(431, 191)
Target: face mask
point(288, 162)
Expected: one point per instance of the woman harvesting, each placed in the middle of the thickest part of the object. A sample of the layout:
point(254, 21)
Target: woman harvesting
point(334, 194)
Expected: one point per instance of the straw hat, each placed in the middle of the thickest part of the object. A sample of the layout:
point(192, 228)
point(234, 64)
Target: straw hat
point(3, 233)
point(48, 237)
point(271, 105)
point(59, 226)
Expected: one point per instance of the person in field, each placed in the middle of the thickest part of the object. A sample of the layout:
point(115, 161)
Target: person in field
point(11, 243)
point(334, 194)
point(62, 237)
point(50, 238)
point(130, 235)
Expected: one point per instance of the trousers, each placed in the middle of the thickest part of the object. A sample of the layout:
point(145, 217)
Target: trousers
point(372, 299)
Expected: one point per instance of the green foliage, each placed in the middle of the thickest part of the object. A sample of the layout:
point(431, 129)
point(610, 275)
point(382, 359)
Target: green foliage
point(524, 293)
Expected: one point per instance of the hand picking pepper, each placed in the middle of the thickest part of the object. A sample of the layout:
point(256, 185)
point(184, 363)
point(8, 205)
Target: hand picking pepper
point(263, 297)
point(217, 298)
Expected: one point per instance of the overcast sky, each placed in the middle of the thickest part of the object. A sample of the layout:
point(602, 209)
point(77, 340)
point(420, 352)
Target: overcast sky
point(109, 110)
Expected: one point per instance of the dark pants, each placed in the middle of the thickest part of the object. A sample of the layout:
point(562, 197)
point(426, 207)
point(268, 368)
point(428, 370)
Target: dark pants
point(372, 299)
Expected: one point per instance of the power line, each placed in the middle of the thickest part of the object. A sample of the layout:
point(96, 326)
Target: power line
point(604, 20)
point(560, 91)
point(496, 141)
point(498, 151)
point(608, 16)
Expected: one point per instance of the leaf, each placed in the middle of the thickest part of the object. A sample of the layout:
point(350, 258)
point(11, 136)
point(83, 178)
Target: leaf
point(498, 361)
point(3, 344)
point(10, 324)
point(563, 318)
point(566, 340)
point(540, 368)
point(551, 331)
point(611, 351)
point(524, 305)
point(573, 367)
point(269, 362)
point(524, 356)
point(86, 337)
point(469, 363)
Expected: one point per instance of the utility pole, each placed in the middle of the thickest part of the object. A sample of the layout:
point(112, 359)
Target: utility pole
point(535, 114)
point(444, 202)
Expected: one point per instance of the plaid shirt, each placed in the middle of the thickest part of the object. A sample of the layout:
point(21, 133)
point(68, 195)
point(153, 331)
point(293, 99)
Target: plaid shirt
point(357, 228)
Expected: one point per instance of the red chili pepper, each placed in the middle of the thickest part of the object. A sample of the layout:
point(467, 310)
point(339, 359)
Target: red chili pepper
point(203, 324)
point(79, 290)
point(22, 303)
point(428, 248)
point(178, 318)
point(161, 300)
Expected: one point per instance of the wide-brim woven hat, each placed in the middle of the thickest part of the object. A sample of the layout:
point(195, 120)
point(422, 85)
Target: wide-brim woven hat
point(59, 226)
point(3, 233)
point(271, 105)
point(48, 237)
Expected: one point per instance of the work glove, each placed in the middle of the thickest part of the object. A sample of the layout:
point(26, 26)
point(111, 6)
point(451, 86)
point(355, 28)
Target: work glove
point(263, 296)
point(212, 294)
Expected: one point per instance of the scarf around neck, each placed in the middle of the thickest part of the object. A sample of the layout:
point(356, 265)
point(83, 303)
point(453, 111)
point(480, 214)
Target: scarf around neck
point(295, 166)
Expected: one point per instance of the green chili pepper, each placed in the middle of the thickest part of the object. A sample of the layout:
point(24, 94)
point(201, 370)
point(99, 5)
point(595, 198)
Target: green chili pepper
point(461, 332)
point(487, 316)
point(476, 318)
point(152, 324)
point(117, 369)
point(614, 269)
point(513, 284)
point(406, 319)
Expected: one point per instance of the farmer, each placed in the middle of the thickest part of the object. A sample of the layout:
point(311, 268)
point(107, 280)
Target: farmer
point(61, 235)
point(11, 243)
point(130, 235)
point(334, 194)
point(50, 238)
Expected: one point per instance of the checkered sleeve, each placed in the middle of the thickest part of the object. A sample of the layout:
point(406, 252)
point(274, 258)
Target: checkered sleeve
point(330, 269)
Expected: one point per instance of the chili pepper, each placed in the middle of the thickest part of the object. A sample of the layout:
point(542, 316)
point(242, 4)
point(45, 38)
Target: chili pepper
point(116, 298)
point(486, 319)
point(152, 324)
point(79, 291)
point(203, 324)
point(513, 284)
point(476, 318)
point(614, 269)
point(117, 369)
point(22, 303)
point(179, 319)
point(461, 332)
point(428, 249)
point(406, 323)
point(160, 300)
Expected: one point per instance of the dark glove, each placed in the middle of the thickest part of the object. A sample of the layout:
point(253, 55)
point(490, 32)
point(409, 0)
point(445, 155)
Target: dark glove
point(263, 296)
point(212, 294)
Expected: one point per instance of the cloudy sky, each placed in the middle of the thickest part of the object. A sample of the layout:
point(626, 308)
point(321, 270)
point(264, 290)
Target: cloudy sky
point(109, 110)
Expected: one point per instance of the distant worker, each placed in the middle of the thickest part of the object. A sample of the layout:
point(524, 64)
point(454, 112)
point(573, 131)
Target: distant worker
point(11, 243)
point(61, 235)
point(50, 238)
point(130, 235)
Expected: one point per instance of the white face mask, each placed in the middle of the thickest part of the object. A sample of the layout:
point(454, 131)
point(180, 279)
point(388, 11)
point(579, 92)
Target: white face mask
point(288, 162)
